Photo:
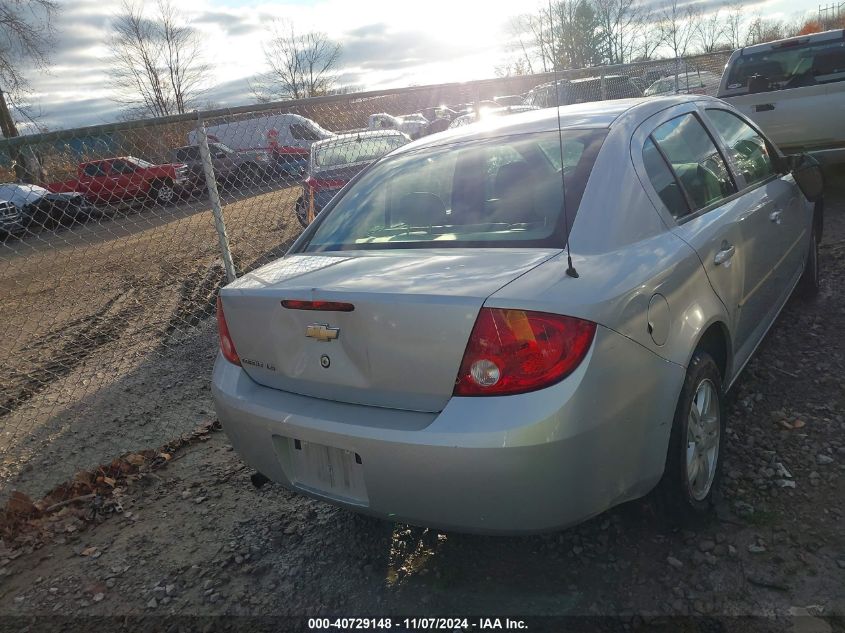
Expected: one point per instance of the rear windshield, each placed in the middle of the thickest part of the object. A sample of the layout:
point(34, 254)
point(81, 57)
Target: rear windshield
point(356, 150)
point(504, 192)
point(791, 67)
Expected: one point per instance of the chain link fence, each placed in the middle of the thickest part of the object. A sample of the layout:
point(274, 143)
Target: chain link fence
point(110, 264)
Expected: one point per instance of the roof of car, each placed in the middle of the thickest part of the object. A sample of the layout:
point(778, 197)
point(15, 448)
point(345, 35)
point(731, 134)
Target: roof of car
point(833, 34)
point(353, 135)
point(580, 80)
point(594, 114)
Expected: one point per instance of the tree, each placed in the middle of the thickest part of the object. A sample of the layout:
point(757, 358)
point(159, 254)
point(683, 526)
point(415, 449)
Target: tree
point(524, 46)
point(647, 37)
point(618, 22)
point(574, 34)
point(763, 30)
point(514, 68)
point(711, 32)
point(810, 26)
point(27, 30)
point(735, 33)
point(156, 67)
point(678, 25)
point(301, 65)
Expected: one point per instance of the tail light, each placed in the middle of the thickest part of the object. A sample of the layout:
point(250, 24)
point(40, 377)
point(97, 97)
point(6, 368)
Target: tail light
point(516, 351)
point(317, 184)
point(227, 346)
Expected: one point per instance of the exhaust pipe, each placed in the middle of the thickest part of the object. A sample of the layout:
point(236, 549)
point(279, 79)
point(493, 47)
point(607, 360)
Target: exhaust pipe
point(258, 479)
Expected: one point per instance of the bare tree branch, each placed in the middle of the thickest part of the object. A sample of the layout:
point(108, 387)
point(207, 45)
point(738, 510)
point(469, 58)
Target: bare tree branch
point(157, 67)
point(710, 33)
point(300, 65)
point(618, 20)
point(26, 33)
point(678, 25)
point(734, 25)
point(647, 38)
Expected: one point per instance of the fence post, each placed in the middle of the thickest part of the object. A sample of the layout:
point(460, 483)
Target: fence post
point(214, 198)
point(677, 66)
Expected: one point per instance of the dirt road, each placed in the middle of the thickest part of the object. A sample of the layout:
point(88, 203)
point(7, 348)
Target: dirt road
point(105, 313)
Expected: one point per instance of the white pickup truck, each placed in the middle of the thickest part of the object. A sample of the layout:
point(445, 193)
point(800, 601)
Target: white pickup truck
point(794, 89)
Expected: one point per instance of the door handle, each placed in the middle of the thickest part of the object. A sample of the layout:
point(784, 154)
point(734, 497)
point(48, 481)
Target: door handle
point(776, 216)
point(764, 107)
point(724, 256)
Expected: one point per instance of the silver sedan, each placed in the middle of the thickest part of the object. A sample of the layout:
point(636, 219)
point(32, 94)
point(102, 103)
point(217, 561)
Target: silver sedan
point(515, 325)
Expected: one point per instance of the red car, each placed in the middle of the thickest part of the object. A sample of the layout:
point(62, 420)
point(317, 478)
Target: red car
point(127, 178)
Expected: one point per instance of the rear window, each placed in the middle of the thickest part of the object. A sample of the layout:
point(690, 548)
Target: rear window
point(792, 67)
point(356, 150)
point(504, 192)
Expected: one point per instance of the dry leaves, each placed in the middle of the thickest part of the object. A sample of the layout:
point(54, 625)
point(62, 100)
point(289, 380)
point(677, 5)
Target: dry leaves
point(90, 494)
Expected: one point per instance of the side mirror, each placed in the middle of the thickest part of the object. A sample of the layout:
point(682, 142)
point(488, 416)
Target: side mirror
point(808, 174)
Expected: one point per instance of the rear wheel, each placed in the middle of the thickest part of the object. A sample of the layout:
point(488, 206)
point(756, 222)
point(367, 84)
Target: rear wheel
point(163, 193)
point(808, 285)
point(694, 460)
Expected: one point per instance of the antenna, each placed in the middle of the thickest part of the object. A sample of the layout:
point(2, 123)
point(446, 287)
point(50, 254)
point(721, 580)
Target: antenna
point(570, 269)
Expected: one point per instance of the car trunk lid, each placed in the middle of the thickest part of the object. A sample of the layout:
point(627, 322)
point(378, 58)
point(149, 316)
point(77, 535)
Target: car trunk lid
point(401, 345)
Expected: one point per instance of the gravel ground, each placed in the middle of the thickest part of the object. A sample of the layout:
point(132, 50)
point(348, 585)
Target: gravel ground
point(195, 538)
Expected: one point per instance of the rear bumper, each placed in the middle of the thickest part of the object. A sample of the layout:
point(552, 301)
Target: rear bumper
point(525, 463)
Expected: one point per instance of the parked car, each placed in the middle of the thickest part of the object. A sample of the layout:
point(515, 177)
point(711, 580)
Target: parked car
point(37, 206)
point(509, 100)
point(126, 179)
point(12, 220)
point(698, 82)
point(287, 137)
point(489, 113)
point(794, 89)
point(487, 333)
point(414, 125)
point(229, 166)
point(583, 90)
point(335, 161)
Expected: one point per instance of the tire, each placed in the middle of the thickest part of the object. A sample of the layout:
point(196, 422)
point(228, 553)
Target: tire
point(694, 459)
point(808, 285)
point(41, 220)
point(249, 175)
point(301, 211)
point(162, 193)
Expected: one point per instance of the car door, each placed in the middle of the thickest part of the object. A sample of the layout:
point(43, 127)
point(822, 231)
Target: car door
point(123, 180)
point(222, 160)
point(93, 181)
point(787, 233)
point(699, 195)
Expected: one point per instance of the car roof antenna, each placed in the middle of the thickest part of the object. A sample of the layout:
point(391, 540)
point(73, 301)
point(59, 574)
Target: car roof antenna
point(570, 269)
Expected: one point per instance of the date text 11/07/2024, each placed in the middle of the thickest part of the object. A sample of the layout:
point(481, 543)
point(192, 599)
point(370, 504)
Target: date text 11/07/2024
point(417, 624)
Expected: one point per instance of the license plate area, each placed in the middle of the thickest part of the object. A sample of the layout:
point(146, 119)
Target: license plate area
point(327, 471)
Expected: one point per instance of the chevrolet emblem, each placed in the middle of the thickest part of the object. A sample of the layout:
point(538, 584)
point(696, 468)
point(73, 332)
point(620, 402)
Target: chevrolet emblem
point(322, 332)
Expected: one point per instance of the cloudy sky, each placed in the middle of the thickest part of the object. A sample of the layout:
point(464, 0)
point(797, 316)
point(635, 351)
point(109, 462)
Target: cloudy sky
point(386, 43)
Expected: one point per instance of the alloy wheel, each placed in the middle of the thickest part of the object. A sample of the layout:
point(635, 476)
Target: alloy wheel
point(703, 429)
point(165, 194)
